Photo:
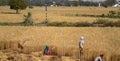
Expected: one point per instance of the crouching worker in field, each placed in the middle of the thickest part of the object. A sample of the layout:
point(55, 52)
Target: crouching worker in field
point(47, 51)
point(81, 43)
point(99, 58)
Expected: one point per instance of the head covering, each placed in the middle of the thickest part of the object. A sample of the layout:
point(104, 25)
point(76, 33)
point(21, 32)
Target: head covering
point(82, 37)
point(101, 55)
point(46, 47)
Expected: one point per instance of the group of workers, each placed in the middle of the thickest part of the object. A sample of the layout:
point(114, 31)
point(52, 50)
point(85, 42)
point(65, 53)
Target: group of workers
point(81, 45)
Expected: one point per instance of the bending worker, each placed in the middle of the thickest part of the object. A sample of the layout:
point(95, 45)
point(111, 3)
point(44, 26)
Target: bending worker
point(99, 58)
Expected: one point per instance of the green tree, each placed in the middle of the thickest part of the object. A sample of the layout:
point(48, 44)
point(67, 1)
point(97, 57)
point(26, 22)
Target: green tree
point(75, 3)
point(110, 2)
point(0, 2)
point(18, 5)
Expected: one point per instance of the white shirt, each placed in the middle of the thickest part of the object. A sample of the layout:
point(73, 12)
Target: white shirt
point(98, 58)
point(81, 43)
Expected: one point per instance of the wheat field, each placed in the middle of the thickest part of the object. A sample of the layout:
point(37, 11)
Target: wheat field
point(58, 14)
point(97, 39)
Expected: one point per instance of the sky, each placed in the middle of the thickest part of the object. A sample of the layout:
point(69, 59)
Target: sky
point(95, 0)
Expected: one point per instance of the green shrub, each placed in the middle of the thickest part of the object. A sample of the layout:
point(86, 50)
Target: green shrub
point(78, 24)
point(118, 14)
point(58, 24)
point(100, 21)
point(102, 15)
point(77, 14)
point(106, 23)
point(28, 20)
point(66, 24)
point(111, 13)
point(46, 22)
point(82, 24)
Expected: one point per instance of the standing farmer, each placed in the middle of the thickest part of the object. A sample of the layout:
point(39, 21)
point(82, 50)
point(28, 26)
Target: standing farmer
point(81, 43)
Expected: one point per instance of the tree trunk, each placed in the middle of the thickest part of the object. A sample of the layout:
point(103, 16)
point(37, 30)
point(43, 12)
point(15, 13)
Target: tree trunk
point(17, 11)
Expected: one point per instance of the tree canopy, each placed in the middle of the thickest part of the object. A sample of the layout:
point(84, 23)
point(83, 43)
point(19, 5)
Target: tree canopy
point(110, 2)
point(18, 5)
point(0, 2)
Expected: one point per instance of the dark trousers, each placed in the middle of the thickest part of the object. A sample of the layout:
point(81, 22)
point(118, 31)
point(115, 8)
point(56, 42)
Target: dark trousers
point(81, 51)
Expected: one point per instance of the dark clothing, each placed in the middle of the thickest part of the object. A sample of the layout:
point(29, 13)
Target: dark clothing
point(46, 49)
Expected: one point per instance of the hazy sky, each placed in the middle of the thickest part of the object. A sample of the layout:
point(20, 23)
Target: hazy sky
point(95, 0)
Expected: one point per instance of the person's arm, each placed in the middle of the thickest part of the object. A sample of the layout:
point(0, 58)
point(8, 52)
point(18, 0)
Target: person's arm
point(81, 45)
point(101, 59)
point(97, 59)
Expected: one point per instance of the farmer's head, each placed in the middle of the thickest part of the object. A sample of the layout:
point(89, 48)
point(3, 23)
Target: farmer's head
point(101, 55)
point(82, 37)
point(46, 46)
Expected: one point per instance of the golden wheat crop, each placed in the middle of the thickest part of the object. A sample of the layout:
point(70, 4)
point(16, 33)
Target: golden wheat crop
point(97, 39)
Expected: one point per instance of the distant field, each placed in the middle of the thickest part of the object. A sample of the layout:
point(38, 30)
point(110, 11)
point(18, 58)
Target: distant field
point(59, 14)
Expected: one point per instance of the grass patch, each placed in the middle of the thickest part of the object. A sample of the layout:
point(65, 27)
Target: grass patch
point(96, 23)
point(60, 24)
point(82, 24)
point(45, 22)
point(11, 24)
point(111, 14)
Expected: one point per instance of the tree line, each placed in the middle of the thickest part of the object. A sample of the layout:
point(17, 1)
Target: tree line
point(22, 4)
point(63, 2)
